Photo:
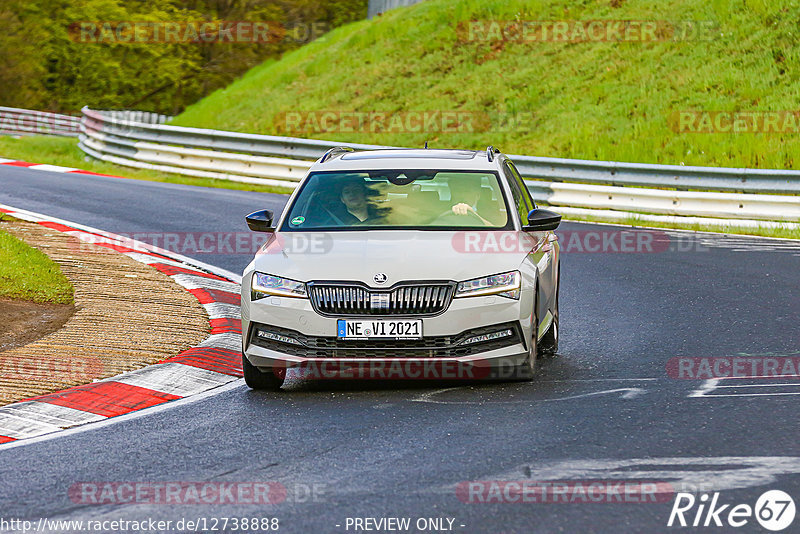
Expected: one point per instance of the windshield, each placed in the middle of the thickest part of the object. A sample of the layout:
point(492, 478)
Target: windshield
point(395, 199)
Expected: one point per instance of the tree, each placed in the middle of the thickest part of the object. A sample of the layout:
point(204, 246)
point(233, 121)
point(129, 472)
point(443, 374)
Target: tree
point(51, 60)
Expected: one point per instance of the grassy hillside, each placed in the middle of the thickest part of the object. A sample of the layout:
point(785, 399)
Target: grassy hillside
point(593, 100)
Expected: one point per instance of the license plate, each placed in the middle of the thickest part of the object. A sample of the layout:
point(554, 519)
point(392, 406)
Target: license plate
point(379, 329)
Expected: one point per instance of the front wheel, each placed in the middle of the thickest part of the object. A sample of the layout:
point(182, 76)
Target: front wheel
point(548, 347)
point(527, 368)
point(256, 379)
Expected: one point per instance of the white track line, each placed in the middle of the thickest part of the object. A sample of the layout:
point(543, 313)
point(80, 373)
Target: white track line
point(127, 417)
point(51, 168)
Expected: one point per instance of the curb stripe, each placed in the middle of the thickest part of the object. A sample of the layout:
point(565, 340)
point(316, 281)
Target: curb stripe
point(226, 324)
point(52, 414)
point(174, 379)
point(19, 164)
point(52, 168)
point(227, 341)
point(142, 256)
point(56, 226)
point(207, 296)
point(224, 361)
point(195, 282)
point(14, 427)
point(90, 173)
point(213, 363)
point(171, 270)
point(108, 399)
point(150, 258)
point(218, 310)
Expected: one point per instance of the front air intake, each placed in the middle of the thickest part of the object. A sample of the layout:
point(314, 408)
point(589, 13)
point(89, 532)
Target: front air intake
point(343, 299)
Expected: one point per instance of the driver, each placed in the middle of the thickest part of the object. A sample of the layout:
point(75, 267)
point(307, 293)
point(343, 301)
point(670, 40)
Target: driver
point(355, 205)
point(354, 199)
point(465, 192)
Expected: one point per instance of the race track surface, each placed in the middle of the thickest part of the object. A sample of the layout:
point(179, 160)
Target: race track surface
point(605, 409)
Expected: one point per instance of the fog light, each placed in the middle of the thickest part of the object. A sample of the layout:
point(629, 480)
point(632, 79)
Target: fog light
point(487, 337)
point(265, 334)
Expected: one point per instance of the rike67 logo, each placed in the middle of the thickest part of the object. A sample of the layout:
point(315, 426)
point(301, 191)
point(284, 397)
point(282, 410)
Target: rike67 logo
point(774, 510)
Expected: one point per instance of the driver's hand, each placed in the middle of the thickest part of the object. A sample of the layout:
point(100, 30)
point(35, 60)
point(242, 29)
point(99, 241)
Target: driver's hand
point(462, 209)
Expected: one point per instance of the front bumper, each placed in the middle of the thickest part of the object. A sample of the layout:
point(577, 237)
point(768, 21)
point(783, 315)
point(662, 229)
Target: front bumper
point(442, 334)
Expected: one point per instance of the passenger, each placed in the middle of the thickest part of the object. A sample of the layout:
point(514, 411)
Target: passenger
point(465, 193)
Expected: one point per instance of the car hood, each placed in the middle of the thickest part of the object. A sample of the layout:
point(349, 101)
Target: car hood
point(400, 255)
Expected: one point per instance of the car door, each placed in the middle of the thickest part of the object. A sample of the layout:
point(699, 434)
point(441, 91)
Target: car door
point(545, 254)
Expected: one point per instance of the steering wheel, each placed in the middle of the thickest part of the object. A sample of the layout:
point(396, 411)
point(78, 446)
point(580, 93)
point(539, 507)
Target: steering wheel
point(449, 216)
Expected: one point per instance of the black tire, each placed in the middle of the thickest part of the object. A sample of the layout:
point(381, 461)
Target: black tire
point(256, 379)
point(527, 369)
point(548, 346)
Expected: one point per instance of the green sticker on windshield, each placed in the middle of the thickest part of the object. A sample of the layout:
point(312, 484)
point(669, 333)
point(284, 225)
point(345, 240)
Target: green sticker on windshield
point(298, 220)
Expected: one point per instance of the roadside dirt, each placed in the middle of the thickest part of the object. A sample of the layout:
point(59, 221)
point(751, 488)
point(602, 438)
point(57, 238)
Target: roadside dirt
point(126, 315)
point(22, 322)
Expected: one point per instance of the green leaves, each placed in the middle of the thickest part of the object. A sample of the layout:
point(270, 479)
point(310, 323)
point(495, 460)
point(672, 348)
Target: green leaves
point(55, 56)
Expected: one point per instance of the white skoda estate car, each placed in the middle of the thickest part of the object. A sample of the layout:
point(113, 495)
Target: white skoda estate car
point(403, 264)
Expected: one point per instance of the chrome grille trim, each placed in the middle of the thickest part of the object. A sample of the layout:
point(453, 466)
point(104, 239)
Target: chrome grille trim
point(354, 299)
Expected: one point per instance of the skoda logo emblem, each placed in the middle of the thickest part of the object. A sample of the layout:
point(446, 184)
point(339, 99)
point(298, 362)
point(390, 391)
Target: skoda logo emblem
point(380, 278)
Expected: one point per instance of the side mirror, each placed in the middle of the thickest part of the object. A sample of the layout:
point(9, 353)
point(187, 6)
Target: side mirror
point(540, 220)
point(260, 221)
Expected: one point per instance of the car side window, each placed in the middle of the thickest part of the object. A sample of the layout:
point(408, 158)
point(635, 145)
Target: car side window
point(519, 198)
point(526, 195)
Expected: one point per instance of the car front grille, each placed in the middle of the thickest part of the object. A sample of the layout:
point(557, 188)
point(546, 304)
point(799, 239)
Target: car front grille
point(428, 347)
point(348, 299)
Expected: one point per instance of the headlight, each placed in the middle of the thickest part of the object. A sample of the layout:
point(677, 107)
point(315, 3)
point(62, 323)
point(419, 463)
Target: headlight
point(505, 285)
point(265, 285)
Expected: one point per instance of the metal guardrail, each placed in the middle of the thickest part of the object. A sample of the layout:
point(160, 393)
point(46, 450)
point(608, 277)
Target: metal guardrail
point(120, 139)
point(773, 181)
point(15, 121)
point(378, 7)
point(128, 138)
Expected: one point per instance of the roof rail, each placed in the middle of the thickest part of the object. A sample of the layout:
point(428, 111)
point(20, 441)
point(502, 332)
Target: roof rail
point(335, 151)
point(491, 151)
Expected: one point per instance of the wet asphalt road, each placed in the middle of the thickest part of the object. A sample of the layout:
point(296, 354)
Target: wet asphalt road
point(605, 409)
